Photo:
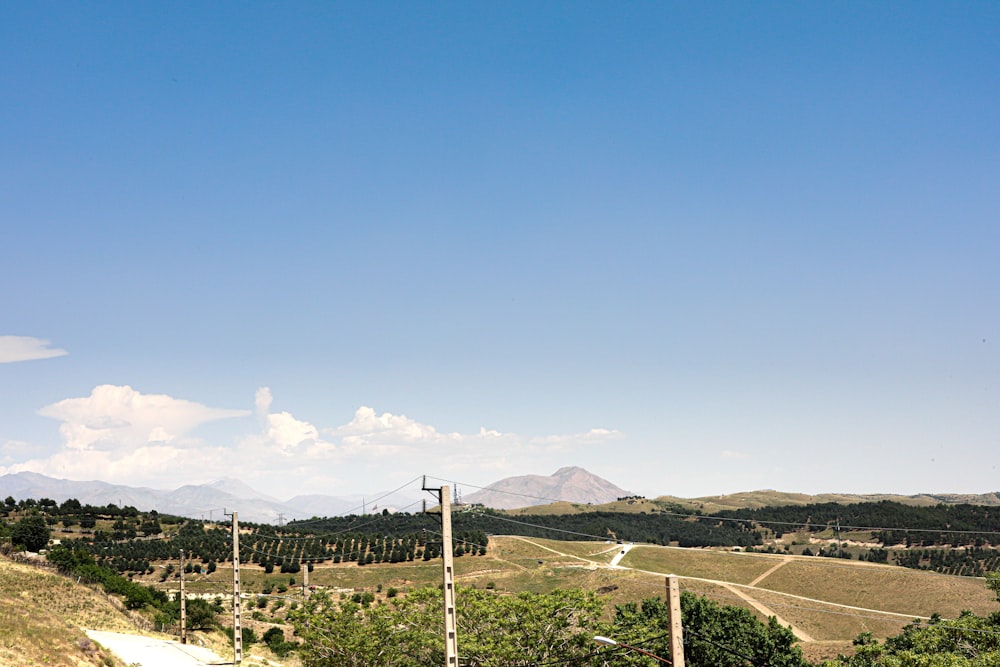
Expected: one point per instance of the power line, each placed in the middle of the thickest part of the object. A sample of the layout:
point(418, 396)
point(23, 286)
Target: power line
point(535, 525)
point(710, 517)
point(805, 560)
point(725, 648)
point(319, 535)
point(362, 507)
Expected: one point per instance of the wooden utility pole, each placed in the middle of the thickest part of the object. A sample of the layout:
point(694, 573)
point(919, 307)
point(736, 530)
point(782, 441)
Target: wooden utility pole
point(237, 626)
point(183, 604)
point(674, 617)
point(450, 631)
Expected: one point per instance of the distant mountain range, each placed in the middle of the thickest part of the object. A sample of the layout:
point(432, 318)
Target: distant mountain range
point(570, 484)
point(203, 501)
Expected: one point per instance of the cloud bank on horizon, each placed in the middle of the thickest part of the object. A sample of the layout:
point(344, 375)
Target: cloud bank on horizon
point(120, 435)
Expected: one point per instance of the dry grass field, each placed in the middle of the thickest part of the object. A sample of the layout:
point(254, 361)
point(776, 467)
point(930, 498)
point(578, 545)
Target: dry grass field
point(42, 616)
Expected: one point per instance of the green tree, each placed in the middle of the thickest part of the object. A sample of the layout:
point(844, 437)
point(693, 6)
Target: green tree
point(528, 628)
point(200, 614)
point(715, 635)
point(343, 634)
point(993, 583)
point(70, 505)
point(32, 532)
point(967, 641)
point(275, 640)
point(493, 630)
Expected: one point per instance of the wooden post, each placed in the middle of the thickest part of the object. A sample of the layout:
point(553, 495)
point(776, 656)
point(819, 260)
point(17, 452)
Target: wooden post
point(674, 616)
point(237, 626)
point(183, 604)
point(450, 632)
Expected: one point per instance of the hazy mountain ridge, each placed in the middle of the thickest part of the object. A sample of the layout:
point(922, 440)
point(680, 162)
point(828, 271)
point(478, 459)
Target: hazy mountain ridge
point(570, 484)
point(198, 501)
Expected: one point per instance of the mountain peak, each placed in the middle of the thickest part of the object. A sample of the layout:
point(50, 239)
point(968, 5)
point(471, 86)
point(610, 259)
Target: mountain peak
point(570, 483)
point(237, 489)
point(565, 471)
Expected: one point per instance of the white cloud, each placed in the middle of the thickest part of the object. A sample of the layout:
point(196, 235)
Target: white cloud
point(17, 450)
point(26, 348)
point(593, 436)
point(119, 417)
point(120, 435)
point(280, 432)
point(730, 454)
point(398, 439)
point(381, 444)
point(262, 401)
point(157, 466)
point(289, 433)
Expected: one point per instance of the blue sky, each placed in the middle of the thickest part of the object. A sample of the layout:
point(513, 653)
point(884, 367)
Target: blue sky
point(695, 248)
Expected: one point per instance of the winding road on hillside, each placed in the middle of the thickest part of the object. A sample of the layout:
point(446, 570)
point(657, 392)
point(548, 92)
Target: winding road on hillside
point(621, 554)
point(739, 590)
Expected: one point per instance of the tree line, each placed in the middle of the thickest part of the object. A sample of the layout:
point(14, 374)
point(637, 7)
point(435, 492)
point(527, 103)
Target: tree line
point(953, 539)
point(892, 523)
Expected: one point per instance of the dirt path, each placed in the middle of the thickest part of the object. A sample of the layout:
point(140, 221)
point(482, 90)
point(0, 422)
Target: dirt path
point(621, 554)
point(623, 550)
point(767, 612)
point(769, 572)
point(151, 652)
point(737, 589)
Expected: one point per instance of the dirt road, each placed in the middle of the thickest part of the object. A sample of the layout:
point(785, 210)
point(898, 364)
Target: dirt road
point(150, 652)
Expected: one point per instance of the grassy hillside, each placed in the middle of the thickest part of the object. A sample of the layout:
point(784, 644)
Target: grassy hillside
point(42, 616)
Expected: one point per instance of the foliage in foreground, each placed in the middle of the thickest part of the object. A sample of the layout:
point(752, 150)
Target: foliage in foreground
point(967, 641)
point(493, 630)
point(527, 629)
point(714, 634)
point(82, 565)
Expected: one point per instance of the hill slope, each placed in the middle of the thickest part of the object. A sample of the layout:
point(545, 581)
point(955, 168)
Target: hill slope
point(42, 616)
point(772, 498)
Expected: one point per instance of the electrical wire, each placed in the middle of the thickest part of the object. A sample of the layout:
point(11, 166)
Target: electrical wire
point(727, 649)
point(362, 507)
point(692, 515)
point(803, 560)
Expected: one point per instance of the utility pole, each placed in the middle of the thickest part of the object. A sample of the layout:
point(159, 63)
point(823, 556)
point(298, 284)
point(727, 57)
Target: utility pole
point(183, 604)
point(450, 629)
point(237, 627)
point(674, 617)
